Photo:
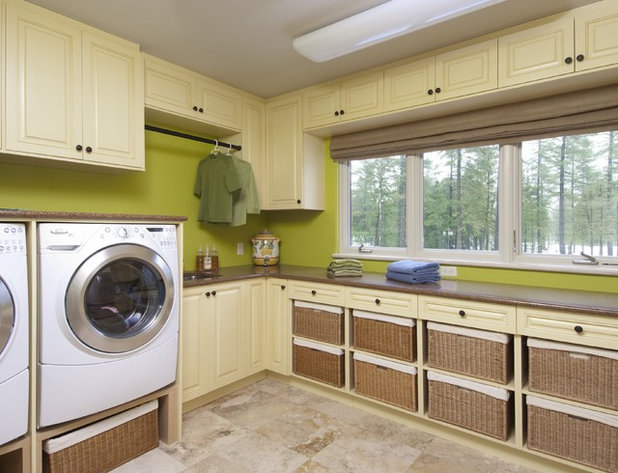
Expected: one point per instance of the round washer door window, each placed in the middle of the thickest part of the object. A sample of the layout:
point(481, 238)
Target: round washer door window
point(120, 298)
point(7, 316)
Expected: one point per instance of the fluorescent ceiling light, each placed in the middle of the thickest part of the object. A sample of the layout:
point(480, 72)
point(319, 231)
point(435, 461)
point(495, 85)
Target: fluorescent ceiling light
point(386, 21)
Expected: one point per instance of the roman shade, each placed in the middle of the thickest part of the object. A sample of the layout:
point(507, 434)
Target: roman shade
point(585, 111)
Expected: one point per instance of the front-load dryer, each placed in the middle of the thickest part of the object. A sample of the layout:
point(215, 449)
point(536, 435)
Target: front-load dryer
point(108, 316)
point(14, 332)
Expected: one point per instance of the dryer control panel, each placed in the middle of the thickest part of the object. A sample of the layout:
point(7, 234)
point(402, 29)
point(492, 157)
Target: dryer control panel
point(12, 239)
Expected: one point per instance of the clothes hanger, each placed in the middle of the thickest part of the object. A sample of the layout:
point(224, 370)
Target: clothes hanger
point(229, 150)
point(215, 150)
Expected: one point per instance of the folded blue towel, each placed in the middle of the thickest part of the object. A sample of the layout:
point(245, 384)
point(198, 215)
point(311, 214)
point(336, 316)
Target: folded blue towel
point(411, 266)
point(412, 279)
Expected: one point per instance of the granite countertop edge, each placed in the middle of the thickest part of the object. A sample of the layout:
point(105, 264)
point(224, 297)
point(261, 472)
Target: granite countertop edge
point(42, 215)
point(592, 303)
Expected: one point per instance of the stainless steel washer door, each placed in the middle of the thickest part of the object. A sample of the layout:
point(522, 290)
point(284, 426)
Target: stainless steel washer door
point(7, 316)
point(120, 298)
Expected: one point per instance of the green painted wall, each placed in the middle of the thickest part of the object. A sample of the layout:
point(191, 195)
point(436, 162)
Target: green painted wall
point(165, 188)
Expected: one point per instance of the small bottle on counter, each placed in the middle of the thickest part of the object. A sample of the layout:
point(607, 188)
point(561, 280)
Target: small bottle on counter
point(207, 260)
point(214, 260)
point(199, 260)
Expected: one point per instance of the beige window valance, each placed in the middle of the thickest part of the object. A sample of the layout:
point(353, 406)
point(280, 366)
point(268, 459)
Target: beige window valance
point(584, 111)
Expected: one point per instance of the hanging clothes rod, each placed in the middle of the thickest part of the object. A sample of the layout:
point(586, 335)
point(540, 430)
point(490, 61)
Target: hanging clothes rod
point(165, 131)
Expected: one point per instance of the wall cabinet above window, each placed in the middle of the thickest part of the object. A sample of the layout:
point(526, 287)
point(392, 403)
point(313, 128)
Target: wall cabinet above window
point(73, 93)
point(179, 91)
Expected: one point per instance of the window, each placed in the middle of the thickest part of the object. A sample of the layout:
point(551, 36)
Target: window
point(538, 202)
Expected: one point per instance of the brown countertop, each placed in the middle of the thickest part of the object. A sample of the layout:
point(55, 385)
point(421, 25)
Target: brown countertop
point(595, 303)
point(63, 216)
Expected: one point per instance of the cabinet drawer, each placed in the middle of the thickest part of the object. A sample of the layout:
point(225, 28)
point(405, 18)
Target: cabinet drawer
point(317, 292)
point(594, 330)
point(384, 302)
point(469, 313)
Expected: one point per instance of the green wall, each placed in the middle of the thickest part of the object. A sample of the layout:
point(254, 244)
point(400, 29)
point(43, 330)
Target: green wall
point(166, 188)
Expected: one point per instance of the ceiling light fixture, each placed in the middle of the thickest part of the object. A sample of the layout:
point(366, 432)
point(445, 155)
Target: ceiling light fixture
point(386, 21)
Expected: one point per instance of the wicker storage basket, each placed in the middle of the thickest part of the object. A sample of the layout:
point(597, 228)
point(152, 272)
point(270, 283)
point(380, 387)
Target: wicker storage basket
point(474, 406)
point(384, 334)
point(105, 445)
point(320, 362)
point(576, 434)
point(477, 353)
point(318, 321)
point(387, 381)
point(574, 372)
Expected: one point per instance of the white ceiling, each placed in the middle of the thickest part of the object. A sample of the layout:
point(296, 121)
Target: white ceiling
point(248, 43)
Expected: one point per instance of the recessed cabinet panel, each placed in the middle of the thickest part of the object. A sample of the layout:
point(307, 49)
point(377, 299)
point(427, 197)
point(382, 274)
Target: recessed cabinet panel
point(221, 106)
point(256, 319)
point(387, 302)
point(596, 37)
point(536, 53)
point(362, 97)
point(320, 105)
point(43, 84)
point(278, 331)
point(193, 344)
point(408, 85)
point(168, 87)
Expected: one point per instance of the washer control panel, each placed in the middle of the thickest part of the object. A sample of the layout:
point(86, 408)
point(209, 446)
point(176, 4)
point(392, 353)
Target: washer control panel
point(12, 239)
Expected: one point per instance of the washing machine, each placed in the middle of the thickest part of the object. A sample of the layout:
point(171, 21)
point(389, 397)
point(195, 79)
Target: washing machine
point(14, 332)
point(108, 316)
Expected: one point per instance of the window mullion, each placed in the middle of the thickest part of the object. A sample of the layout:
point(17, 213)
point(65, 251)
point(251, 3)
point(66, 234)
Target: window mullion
point(415, 204)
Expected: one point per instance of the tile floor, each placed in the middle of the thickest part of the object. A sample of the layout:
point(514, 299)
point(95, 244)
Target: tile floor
point(271, 427)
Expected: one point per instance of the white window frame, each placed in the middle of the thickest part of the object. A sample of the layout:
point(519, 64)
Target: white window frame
point(509, 254)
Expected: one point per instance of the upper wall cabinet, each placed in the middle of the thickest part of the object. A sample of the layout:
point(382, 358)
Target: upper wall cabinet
point(358, 97)
point(464, 71)
point(172, 89)
point(560, 45)
point(73, 93)
point(294, 162)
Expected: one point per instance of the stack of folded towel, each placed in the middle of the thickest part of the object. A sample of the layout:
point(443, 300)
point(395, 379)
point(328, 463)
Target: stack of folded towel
point(345, 267)
point(413, 271)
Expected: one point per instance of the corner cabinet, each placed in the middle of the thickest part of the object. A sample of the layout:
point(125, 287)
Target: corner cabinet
point(73, 93)
point(294, 162)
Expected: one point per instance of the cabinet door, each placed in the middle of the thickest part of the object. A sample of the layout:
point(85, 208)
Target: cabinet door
point(283, 154)
point(362, 96)
point(467, 71)
point(278, 331)
point(409, 85)
point(193, 344)
point(226, 342)
point(256, 324)
point(43, 84)
point(536, 53)
point(113, 103)
point(596, 38)
point(221, 105)
point(169, 88)
point(321, 105)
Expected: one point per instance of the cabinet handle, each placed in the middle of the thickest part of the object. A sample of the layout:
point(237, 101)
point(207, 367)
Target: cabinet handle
point(88, 149)
point(79, 147)
point(430, 92)
point(282, 287)
point(201, 110)
point(207, 294)
point(341, 112)
point(195, 108)
point(438, 90)
point(462, 313)
point(377, 301)
point(568, 60)
point(313, 292)
point(580, 57)
point(214, 293)
point(298, 201)
point(336, 113)
point(578, 329)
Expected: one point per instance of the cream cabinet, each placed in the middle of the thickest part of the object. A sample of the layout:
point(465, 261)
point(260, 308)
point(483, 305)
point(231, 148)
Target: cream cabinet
point(278, 330)
point(464, 71)
point(173, 89)
point(73, 93)
point(596, 38)
point(223, 335)
point(294, 163)
point(354, 98)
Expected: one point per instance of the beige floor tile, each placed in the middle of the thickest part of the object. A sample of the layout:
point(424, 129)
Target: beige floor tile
point(259, 454)
point(203, 433)
point(154, 461)
point(442, 455)
point(311, 466)
point(365, 452)
point(216, 464)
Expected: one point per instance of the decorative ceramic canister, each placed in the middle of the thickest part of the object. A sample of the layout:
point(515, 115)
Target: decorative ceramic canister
point(265, 249)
